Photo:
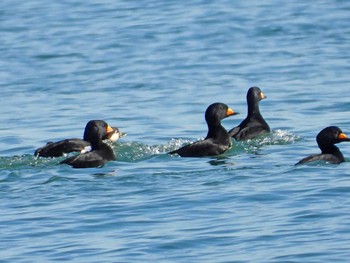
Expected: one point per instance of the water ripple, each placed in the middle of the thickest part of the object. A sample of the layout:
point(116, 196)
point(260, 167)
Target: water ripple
point(151, 68)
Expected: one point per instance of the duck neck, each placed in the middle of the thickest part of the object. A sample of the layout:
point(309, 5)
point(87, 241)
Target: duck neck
point(96, 144)
point(253, 109)
point(216, 131)
point(332, 149)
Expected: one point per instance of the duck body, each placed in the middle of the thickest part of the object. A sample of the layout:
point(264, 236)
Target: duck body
point(323, 157)
point(329, 152)
point(254, 124)
point(94, 158)
point(217, 140)
point(60, 148)
point(100, 152)
point(206, 147)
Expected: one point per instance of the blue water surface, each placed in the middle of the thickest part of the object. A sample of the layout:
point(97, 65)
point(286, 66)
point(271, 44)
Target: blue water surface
point(151, 68)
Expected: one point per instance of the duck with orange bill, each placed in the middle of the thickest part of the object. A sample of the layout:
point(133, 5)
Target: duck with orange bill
point(63, 147)
point(329, 152)
point(100, 153)
point(217, 140)
point(254, 124)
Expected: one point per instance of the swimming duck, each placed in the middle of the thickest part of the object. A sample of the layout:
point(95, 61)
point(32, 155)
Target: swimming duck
point(329, 152)
point(60, 148)
point(254, 124)
point(100, 152)
point(217, 140)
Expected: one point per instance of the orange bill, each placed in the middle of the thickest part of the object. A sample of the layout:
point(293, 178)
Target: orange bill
point(230, 112)
point(262, 96)
point(109, 129)
point(342, 136)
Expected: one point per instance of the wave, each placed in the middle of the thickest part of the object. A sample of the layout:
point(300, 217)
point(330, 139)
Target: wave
point(16, 162)
point(276, 137)
point(137, 151)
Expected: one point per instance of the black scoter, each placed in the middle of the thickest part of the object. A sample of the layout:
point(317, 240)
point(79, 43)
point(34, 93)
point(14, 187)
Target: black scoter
point(217, 140)
point(60, 148)
point(329, 152)
point(100, 152)
point(254, 124)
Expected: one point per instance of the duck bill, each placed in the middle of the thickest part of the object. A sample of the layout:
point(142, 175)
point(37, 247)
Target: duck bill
point(262, 96)
point(343, 137)
point(230, 112)
point(109, 129)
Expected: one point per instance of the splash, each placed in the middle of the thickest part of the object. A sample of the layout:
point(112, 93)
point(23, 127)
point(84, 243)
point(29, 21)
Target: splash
point(175, 144)
point(137, 151)
point(133, 151)
point(276, 137)
point(16, 162)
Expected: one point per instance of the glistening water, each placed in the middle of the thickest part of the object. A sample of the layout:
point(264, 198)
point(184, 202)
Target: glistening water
point(151, 68)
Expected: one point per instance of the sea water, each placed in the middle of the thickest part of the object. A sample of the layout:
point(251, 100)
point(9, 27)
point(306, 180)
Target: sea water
point(151, 68)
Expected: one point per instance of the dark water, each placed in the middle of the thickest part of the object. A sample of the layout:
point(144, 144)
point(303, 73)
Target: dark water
point(151, 68)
